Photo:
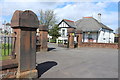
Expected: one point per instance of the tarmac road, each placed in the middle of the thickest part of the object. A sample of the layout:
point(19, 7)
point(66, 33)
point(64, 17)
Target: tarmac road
point(61, 62)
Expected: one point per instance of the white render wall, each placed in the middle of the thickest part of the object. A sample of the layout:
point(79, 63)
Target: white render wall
point(61, 32)
point(94, 36)
point(103, 33)
point(106, 36)
point(63, 24)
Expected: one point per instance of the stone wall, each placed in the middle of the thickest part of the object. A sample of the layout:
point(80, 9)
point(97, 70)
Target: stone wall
point(63, 45)
point(100, 45)
point(8, 68)
point(8, 73)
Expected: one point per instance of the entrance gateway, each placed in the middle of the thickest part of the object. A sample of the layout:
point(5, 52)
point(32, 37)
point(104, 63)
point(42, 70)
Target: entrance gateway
point(24, 24)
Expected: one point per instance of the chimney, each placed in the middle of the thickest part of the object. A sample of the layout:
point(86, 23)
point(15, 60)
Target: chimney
point(99, 17)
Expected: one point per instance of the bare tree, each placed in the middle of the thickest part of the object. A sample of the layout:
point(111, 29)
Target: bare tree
point(48, 18)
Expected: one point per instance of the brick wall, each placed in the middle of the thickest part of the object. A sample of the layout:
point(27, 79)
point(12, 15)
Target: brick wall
point(100, 45)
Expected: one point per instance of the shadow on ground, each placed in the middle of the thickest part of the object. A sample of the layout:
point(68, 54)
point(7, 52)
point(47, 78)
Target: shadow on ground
point(45, 66)
point(50, 49)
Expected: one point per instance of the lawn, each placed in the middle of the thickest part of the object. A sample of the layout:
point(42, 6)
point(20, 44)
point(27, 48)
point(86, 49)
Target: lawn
point(5, 51)
point(4, 57)
point(5, 54)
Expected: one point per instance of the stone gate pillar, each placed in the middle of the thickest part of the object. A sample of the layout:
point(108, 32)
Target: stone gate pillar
point(24, 24)
point(43, 33)
point(71, 32)
point(79, 36)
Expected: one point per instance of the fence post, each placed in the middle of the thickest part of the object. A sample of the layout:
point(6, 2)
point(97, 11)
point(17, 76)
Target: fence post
point(24, 24)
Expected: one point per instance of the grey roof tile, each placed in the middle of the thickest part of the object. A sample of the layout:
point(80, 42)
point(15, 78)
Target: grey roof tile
point(86, 24)
point(70, 23)
point(90, 24)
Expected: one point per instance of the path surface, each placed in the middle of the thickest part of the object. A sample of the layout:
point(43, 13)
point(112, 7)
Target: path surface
point(77, 63)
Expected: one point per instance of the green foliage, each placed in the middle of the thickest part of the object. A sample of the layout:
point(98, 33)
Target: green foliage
point(53, 40)
point(5, 46)
point(4, 57)
point(60, 41)
point(54, 32)
point(5, 51)
point(5, 54)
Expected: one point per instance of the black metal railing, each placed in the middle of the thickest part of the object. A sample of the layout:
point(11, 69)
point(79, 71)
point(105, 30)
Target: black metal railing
point(7, 45)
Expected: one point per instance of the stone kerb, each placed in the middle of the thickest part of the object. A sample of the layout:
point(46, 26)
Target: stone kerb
point(25, 24)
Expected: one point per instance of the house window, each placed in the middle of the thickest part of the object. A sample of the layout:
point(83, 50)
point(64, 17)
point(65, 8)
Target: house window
point(89, 36)
point(63, 32)
point(103, 32)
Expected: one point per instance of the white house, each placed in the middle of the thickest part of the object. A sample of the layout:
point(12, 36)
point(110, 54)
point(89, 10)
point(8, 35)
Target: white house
point(7, 28)
point(93, 30)
point(64, 25)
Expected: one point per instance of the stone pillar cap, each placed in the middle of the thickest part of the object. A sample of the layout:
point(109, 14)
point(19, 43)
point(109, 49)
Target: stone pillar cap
point(26, 19)
point(43, 27)
point(78, 31)
point(71, 30)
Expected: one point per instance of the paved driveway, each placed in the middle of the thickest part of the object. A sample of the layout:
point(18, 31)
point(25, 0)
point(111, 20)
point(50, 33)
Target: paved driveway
point(77, 63)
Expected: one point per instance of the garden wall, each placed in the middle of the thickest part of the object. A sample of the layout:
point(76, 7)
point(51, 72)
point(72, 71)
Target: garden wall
point(62, 45)
point(100, 45)
point(8, 68)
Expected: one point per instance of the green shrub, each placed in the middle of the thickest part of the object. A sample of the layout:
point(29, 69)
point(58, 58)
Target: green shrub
point(60, 41)
point(52, 40)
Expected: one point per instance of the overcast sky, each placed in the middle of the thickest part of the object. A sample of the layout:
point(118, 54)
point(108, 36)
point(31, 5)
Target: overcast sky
point(64, 9)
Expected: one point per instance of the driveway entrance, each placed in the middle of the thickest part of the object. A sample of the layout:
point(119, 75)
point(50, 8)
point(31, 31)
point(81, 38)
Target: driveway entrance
point(61, 62)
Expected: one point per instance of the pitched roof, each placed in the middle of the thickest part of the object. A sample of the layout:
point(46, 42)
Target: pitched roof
point(70, 23)
point(90, 24)
point(8, 24)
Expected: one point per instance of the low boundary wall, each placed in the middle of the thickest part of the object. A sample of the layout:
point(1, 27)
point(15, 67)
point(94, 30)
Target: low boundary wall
point(8, 68)
point(100, 45)
point(62, 45)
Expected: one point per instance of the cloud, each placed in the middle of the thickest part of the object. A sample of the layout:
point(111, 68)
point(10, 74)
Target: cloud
point(111, 19)
point(73, 11)
point(61, 0)
point(10, 7)
point(0, 16)
point(78, 10)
